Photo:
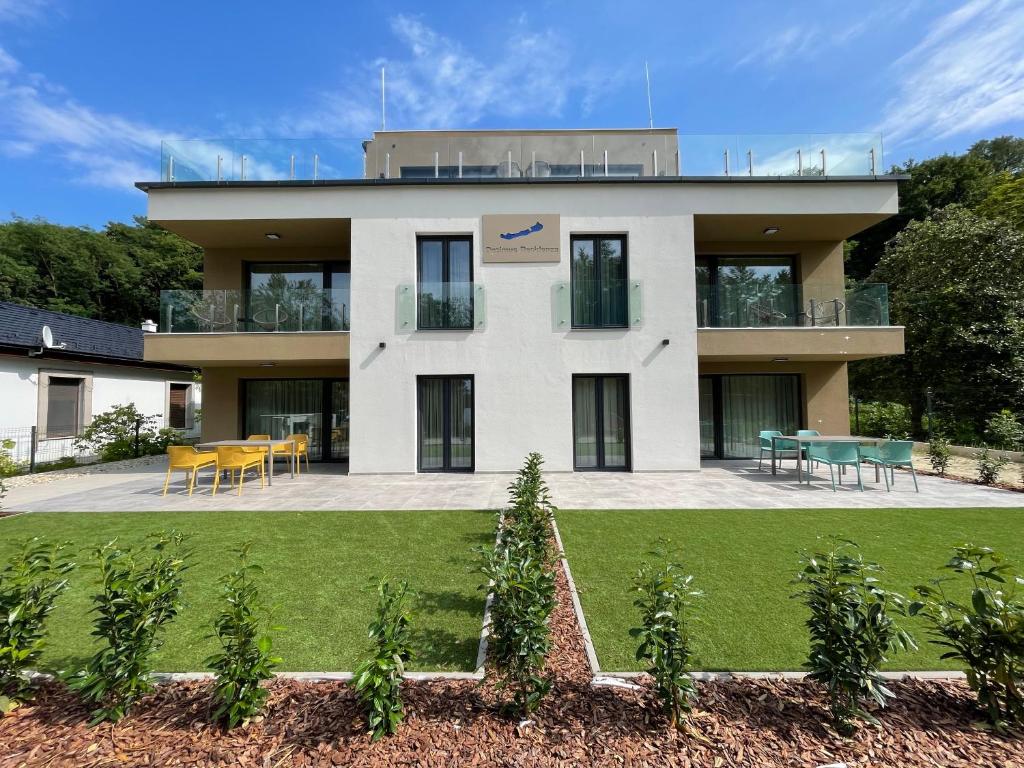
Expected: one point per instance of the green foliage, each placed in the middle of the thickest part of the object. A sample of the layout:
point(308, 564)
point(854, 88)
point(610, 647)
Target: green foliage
point(114, 275)
point(880, 419)
point(956, 284)
point(987, 633)
point(528, 517)
point(939, 454)
point(989, 466)
point(666, 599)
point(851, 629)
point(30, 584)
point(111, 435)
point(378, 680)
point(1005, 200)
point(66, 462)
point(243, 630)
point(1004, 153)
point(8, 466)
point(140, 596)
point(1005, 430)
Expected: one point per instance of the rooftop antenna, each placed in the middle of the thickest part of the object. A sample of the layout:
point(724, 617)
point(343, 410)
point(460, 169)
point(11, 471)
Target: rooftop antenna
point(383, 104)
point(650, 109)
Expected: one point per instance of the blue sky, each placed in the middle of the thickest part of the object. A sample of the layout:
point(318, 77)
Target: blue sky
point(88, 89)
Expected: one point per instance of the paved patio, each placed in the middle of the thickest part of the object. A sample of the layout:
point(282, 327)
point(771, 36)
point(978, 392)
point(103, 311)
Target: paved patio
point(733, 484)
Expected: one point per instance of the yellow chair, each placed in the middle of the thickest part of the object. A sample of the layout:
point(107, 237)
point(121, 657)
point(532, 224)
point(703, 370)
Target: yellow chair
point(301, 449)
point(189, 460)
point(261, 448)
point(233, 459)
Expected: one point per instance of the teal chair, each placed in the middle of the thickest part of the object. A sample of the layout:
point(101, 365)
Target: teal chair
point(839, 454)
point(786, 448)
point(807, 433)
point(895, 453)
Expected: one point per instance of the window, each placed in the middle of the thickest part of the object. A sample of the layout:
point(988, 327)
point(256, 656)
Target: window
point(600, 295)
point(445, 416)
point(600, 416)
point(297, 296)
point(317, 408)
point(444, 274)
point(734, 408)
point(63, 406)
point(746, 292)
point(179, 402)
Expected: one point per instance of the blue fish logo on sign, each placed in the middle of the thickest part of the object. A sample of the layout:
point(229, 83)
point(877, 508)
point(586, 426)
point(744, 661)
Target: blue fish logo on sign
point(522, 233)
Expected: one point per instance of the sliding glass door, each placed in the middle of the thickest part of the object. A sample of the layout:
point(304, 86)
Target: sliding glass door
point(746, 291)
point(445, 416)
point(735, 408)
point(600, 414)
point(317, 408)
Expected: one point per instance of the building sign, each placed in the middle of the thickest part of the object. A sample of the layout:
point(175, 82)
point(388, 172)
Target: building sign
point(513, 237)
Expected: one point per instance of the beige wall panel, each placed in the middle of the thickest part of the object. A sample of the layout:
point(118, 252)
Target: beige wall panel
point(215, 349)
point(842, 343)
point(224, 268)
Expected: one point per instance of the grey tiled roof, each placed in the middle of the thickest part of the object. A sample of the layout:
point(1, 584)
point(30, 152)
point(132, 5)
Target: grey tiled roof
point(22, 327)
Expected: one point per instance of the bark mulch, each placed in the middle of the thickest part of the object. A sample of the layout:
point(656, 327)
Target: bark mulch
point(451, 723)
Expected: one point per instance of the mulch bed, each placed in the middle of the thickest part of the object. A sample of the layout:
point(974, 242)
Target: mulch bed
point(452, 723)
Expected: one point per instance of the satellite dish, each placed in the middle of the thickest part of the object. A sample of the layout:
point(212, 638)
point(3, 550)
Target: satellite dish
point(47, 337)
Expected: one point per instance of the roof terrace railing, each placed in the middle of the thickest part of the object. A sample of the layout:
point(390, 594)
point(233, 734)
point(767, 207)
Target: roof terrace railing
point(569, 155)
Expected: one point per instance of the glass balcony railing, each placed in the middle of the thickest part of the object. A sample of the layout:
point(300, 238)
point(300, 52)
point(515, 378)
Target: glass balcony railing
point(442, 306)
point(412, 155)
point(592, 304)
point(771, 305)
point(279, 310)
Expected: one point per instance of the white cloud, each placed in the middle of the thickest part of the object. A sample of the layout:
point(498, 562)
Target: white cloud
point(966, 74)
point(22, 10)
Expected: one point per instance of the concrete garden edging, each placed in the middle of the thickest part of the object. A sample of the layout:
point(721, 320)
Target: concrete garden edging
point(967, 452)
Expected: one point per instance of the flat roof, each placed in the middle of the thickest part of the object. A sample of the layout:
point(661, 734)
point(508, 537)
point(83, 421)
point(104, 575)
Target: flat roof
point(145, 186)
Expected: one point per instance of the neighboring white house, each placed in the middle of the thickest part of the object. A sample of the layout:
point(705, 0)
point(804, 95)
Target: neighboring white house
point(57, 379)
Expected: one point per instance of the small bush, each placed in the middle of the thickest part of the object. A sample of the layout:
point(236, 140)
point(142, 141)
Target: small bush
point(528, 517)
point(111, 435)
point(880, 419)
point(8, 466)
point(52, 466)
point(851, 630)
point(30, 584)
point(666, 599)
point(1004, 430)
point(939, 454)
point(989, 467)
point(243, 630)
point(986, 633)
point(139, 598)
point(378, 680)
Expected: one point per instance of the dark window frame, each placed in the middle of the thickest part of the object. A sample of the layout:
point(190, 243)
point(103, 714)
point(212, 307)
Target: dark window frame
point(712, 261)
point(718, 409)
point(596, 238)
point(446, 460)
point(325, 409)
point(187, 388)
point(599, 409)
point(327, 268)
point(446, 241)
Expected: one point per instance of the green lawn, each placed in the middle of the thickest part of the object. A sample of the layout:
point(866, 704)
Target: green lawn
point(320, 568)
point(743, 560)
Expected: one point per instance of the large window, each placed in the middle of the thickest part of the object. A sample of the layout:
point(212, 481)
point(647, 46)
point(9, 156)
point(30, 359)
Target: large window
point(735, 408)
point(297, 296)
point(317, 408)
point(600, 296)
point(444, 283)
point(63, 406)
point(600, 416)
point(445, 415)
point(746, 292)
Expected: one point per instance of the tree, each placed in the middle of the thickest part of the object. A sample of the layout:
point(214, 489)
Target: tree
point(1005, 200)
point(956, 282)
point(1005, 153)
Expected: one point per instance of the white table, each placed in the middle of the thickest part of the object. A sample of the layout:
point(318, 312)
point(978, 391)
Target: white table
point(800, 440)
point(268, 444)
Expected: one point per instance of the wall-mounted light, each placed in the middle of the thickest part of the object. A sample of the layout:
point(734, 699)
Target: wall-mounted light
point(772, 230)
point(272, 236)
point(382, 345)
point(664, 342)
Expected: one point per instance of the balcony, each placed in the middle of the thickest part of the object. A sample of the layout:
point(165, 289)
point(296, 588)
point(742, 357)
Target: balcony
point(441, 306)
point(759, 321)
point(231, 327)
point(417, 155)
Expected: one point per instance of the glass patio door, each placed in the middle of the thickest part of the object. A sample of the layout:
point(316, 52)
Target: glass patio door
point(445, 415)
point(317, 408)
point(600, 408)
point(735, 408)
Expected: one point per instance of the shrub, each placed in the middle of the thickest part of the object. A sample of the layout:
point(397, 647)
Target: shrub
point(8, 466)
point(1005, 430)
point(879, 419)
point(111, 435)
point(378, 680)
point(243, 630)
point(851, 630)
point(523, 596)
point(30, 584)
point(666, 598)
point(939, 454)
point(989, 467)
point(139, 598)
point(986, 633)
point(528, 517)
